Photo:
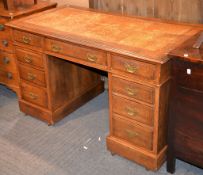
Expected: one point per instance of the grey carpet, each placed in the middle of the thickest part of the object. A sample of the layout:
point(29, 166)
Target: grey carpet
point(71, 147)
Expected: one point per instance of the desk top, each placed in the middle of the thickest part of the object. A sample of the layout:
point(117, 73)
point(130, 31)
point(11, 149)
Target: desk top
point(144, 38)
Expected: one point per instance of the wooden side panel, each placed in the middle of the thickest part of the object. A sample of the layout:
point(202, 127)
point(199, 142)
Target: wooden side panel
point(109, 5)
point(68, 81)
point(180, 10)
point(163, 113)
point(139, 7)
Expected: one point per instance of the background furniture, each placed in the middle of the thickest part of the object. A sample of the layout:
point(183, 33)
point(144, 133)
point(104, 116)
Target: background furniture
point(14, 4)
point(71, 54)
point(185, 131)
point(8, 67)
point(178, 10)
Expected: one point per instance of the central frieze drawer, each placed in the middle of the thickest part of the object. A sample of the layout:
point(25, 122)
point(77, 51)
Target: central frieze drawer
point(133, 133)
point(81, 52)
point(133, 110)
point(30, 58)
point(28, 38)
point(34, 95)
point(134, 67)
point(32, 75)
point(133, 90)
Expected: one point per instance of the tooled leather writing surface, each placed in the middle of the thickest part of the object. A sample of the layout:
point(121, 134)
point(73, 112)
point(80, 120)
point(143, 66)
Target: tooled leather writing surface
point(148, 39)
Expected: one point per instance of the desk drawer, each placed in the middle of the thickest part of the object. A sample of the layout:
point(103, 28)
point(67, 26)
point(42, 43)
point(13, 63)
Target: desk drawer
point(76, 51)
point(134, 67)
point(191, 81)
point(7, 77)
point(28, 38)
point(132, 133)
point(34, 95)
point(30, 58)
point(7, 62)
point(32, 75)
point(133, 110)
point(133, 90)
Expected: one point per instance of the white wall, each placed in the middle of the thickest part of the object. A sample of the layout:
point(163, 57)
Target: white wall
point(82, 3)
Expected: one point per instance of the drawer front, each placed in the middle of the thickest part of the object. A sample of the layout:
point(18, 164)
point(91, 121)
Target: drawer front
point(133, 90)
point(30, 58)
point(193, 80)
point(80, 52)
point(133, 110)
point(34, 95)
point(9, 78)
point(28, 38)
point(7, 62)
point(32, 75)
point(134, 67)
point(132, 133)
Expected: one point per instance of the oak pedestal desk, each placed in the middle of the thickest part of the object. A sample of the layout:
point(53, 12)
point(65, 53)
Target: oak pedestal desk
point(58, 51)
point(8, 67)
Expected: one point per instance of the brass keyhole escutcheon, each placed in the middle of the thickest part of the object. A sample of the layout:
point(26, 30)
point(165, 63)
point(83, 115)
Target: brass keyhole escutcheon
point(6, 60)
point(33, 96)
point(28, 59)
point(131, 91)
point(130, 68)
point(92, 58)
point(131, 134)
point(131, 112)
point(31, 76)
point(56, 48)
point(2, 27)
point(9, 75)
point(26, 40)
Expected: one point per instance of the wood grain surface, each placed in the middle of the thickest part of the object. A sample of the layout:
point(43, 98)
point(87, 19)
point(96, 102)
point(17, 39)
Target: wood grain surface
point(178, 10)
point(113, 33)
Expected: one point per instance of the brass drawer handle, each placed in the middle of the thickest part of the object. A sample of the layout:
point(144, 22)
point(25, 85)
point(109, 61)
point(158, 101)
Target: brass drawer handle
point(31, 76)
point(131, 112)
point(9, 75)
point(130, 68)
point(131, 134)
point(92, 58)
point(2, 27)
point(5, 43)
point(131, 92)
point(33, 96)
point(26, 40)
point(56, 48)
point(6, 60)
point(28, 59)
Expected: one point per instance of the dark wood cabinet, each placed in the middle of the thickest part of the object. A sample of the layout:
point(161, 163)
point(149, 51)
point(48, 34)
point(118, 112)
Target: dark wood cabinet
point(185, 133)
